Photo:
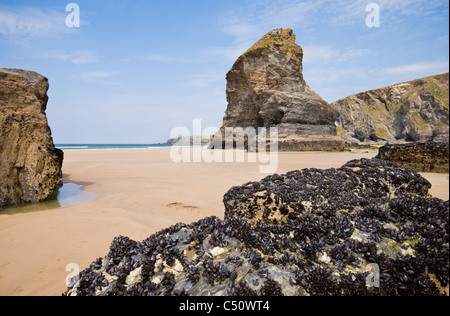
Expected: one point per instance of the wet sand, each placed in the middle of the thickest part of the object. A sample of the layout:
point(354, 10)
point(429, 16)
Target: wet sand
point(138, 192)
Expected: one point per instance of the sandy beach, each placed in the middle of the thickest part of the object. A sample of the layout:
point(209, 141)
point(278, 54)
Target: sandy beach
point(138, 192)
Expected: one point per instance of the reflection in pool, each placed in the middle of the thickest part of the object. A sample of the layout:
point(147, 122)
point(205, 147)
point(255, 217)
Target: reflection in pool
point(67, 195)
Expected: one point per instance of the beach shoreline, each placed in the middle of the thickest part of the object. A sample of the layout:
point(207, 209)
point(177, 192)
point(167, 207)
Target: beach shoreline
point(138, 193)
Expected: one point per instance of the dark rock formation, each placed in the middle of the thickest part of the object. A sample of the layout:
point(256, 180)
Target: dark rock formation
point(421, 157)
point(416, 111)
point(30, 164)
point(310, 232)
point(311, 143)
point(276, 200)
point(266, 88)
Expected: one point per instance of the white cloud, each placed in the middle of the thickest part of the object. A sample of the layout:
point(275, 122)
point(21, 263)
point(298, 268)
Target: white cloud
point(98, 76)
point(205, 80)
point(31, 21)
point(77, 58)
point(259, 17)
point(247, 23)
point(433, 67)
point(351, 54)
point(443, 39)
point(251, 21)
point(344, 12)
point(158, 58)
point(230, 53)
point(155, 57)
point(319, 54)
point(256, 19)
point(322, 54)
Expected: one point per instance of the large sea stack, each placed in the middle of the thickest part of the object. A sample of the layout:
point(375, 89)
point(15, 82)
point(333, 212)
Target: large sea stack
point(30, 164)
point(266, 88)
point(415, 111)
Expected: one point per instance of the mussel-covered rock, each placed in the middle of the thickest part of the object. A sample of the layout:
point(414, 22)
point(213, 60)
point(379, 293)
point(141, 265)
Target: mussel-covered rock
point(421, 157)
point(279, 199)
point(368, 228)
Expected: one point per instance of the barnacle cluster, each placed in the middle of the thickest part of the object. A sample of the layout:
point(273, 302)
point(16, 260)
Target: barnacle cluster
point(309, 232)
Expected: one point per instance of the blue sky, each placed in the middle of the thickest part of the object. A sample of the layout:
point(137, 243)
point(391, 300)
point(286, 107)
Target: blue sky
point(136, 69)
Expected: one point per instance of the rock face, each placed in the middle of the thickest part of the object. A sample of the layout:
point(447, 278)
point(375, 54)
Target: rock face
point(367, 228)
point(421, 157)
point(416, 111)
point(266, 88)
point(30, 164)
point(296, 143)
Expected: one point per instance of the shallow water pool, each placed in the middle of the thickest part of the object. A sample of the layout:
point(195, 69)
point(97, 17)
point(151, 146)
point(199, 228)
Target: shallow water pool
point(67, 195)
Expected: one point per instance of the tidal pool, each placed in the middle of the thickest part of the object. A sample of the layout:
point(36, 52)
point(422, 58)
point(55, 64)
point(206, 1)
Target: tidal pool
point(67, 195)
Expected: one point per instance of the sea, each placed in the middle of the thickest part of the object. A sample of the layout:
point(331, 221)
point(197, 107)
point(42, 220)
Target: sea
point(108, 146)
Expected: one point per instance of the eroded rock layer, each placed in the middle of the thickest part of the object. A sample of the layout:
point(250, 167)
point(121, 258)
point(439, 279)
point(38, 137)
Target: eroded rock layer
point(415, 111)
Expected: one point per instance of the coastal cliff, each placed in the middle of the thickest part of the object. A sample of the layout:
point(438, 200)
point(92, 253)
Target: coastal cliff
point(30, 164)
point(415, 111)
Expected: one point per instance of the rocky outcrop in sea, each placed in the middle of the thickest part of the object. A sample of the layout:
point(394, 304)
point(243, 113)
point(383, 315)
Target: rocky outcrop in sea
point(415, 111)
point(367, 228)
point(266, 88)
point(421, 157)
point(30, 164)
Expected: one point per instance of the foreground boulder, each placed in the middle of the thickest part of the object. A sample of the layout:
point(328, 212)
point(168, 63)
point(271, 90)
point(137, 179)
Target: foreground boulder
point(421, 157)
point(368, 228)
point(278, 200)
point(30, 164)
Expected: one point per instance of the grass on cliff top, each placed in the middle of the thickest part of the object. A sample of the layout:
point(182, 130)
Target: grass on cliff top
point(283, 39)
point(436, 85)
point(278, 37)
point(441, 91)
